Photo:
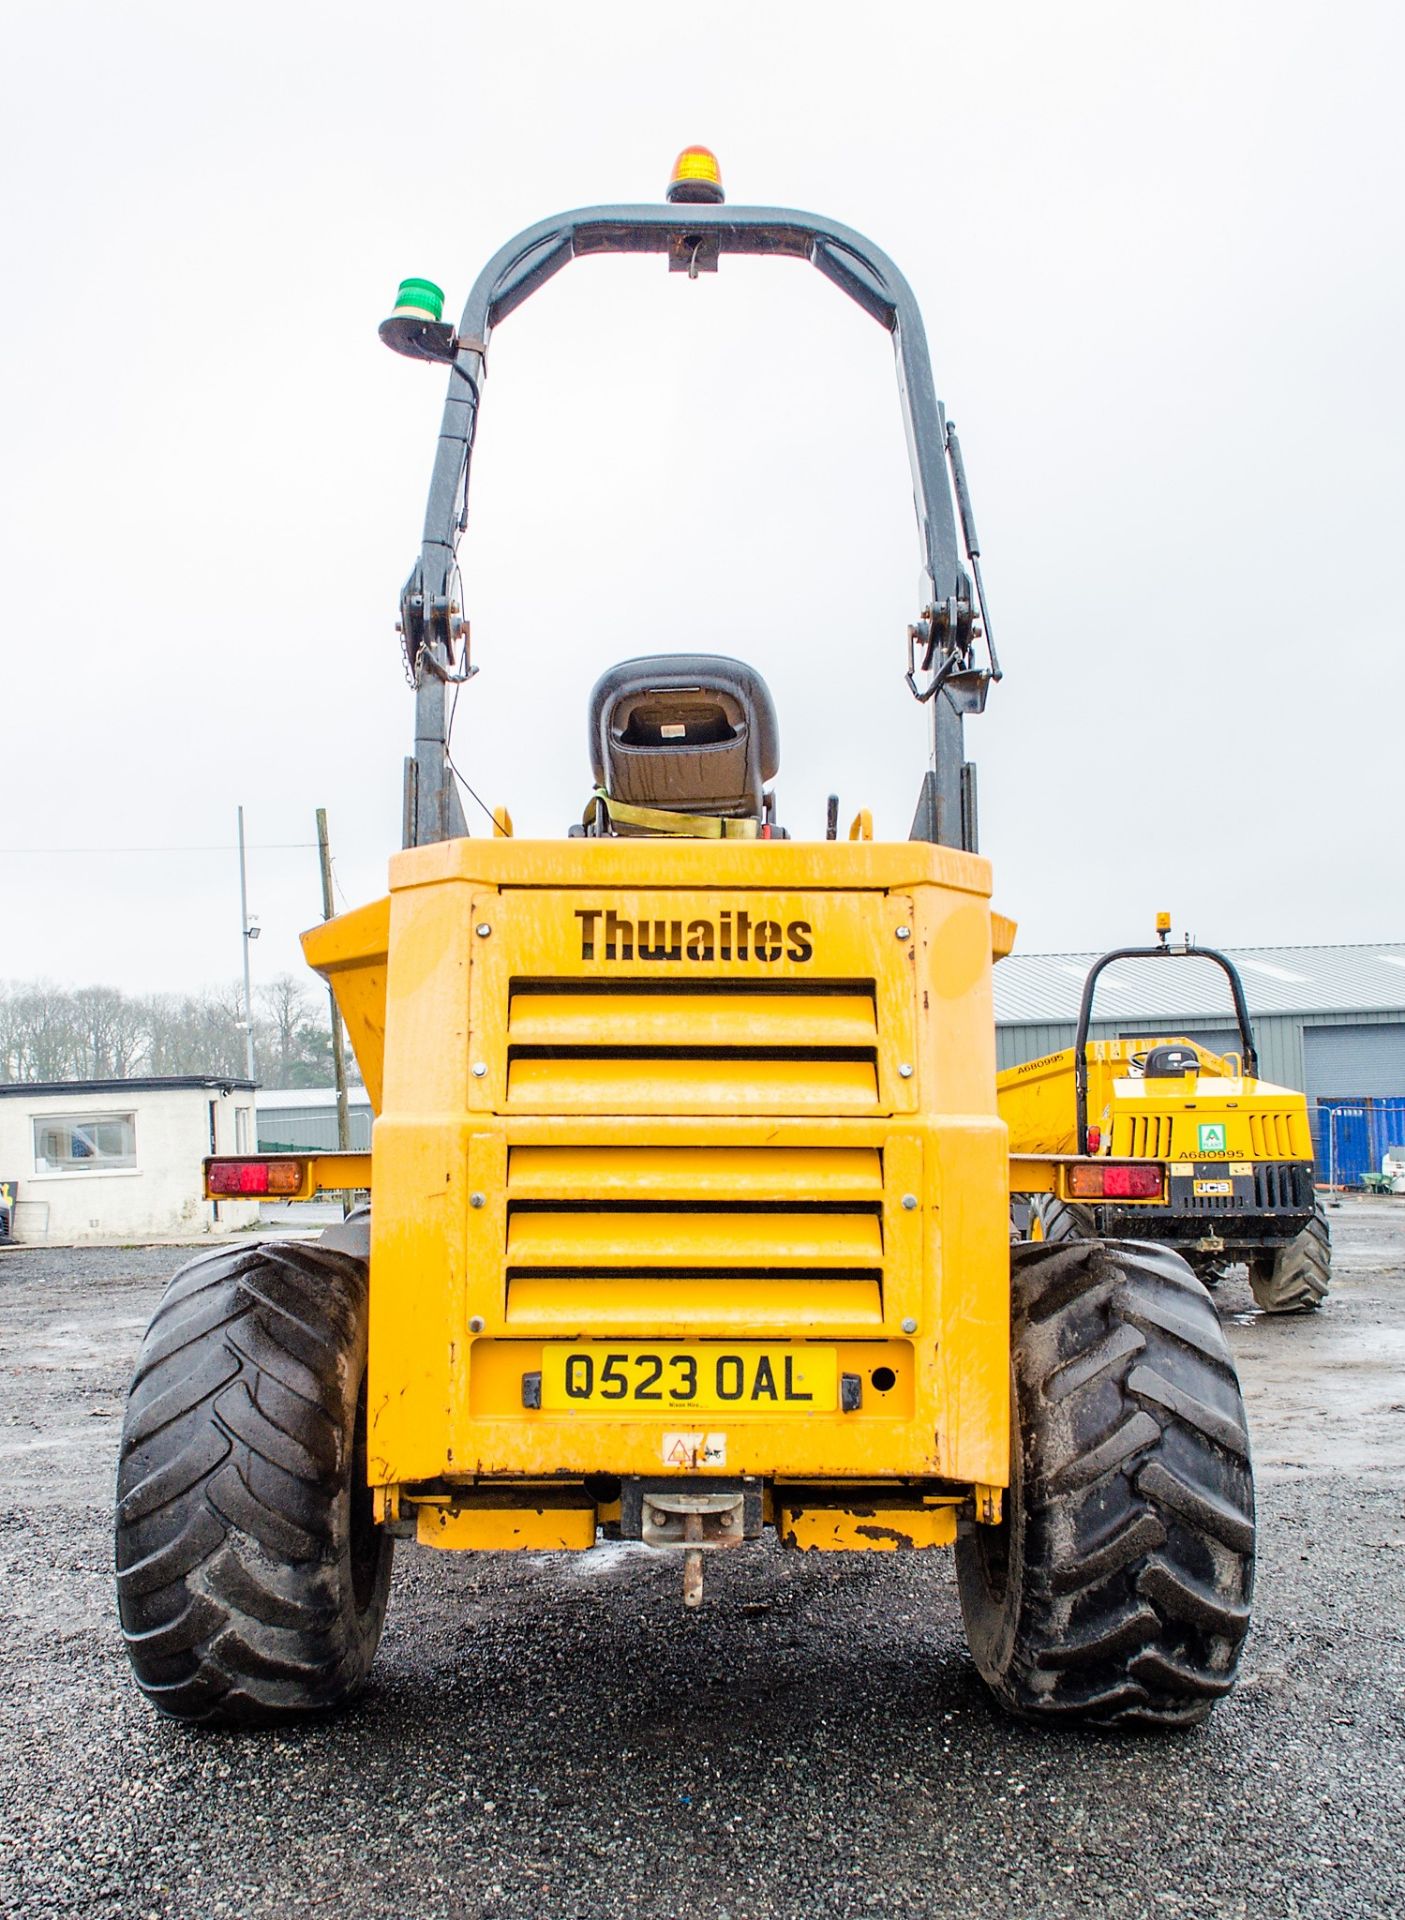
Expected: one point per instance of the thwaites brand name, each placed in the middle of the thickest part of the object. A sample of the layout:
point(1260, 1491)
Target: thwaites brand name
point(733, 935)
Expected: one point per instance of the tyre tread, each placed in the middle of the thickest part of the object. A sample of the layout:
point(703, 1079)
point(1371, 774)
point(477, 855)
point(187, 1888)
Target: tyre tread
point(1297, 1277)
point(1132, 1598)
point(233, 1525)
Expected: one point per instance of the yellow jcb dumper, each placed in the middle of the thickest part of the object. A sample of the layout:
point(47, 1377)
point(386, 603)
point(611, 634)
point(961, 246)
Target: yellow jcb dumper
point(1236, 1150)
point(689, 1187)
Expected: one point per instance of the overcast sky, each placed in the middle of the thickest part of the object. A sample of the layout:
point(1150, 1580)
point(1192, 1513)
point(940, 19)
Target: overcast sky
point(1159, 254)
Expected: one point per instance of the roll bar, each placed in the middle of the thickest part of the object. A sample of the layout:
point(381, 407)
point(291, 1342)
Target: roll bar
point(694, 238)
point(1187, 951)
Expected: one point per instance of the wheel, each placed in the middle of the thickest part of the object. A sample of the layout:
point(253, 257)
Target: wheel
point(252, 1579)
point(1116, 1588)
point(1058, 1221)
point(1295, 1278)
point(1209, 1269)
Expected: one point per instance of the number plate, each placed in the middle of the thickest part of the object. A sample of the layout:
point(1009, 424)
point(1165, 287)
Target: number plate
point(601, 1378)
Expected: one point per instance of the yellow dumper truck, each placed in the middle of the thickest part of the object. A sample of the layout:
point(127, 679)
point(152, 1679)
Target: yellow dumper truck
point(1237, 1150)
point(689, 1187)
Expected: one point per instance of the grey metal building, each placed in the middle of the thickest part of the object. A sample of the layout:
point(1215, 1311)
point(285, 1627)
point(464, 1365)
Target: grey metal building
point(304, 1119)
point(1330, 1020)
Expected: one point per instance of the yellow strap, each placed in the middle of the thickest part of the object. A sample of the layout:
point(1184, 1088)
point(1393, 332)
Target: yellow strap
point(686, 826)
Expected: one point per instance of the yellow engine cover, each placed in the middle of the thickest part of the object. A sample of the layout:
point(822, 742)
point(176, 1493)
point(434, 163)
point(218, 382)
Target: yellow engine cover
point(677, 1141)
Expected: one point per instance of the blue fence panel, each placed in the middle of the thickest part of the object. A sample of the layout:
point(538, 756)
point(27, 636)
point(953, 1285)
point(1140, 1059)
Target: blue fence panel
point(1351, 1137)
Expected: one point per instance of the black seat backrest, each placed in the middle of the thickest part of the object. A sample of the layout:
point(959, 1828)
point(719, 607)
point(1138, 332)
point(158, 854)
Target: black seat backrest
point(689, 732)
point(1171, 1062)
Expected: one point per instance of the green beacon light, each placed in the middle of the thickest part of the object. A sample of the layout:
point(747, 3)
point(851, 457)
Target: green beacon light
point(416, 326)
point(421, 299)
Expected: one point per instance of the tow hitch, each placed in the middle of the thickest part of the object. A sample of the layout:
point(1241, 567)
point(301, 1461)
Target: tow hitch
point(663, 1515)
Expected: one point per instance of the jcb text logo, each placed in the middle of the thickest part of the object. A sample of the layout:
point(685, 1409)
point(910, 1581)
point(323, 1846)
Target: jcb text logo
point(733, 935)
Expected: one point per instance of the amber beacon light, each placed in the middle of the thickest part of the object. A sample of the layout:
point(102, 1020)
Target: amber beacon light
point(696, 178)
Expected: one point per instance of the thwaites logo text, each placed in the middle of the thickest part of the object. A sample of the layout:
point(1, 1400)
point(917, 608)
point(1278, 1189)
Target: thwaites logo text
point(733, 935)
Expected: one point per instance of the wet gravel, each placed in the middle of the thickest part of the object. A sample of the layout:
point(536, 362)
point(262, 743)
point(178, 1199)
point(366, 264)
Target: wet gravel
point(550, 1735)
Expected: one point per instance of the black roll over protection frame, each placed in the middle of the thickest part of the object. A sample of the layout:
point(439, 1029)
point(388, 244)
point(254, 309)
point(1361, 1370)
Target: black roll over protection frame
point(1186, 951)
point(694, 237)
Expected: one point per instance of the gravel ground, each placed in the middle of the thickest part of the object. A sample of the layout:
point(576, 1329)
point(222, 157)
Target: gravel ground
point(551, 1735)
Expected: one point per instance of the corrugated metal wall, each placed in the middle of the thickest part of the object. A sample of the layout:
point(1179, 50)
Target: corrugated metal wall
point(1279, 1037)
point(312, 1129)
point(1353, 1060)
point(1013, 1044)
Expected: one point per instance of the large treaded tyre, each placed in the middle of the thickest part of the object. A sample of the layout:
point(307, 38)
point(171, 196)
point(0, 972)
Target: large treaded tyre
point(1058, 1221)
point(1295, 1279)
point(252, 1580)
point(1116, 1589)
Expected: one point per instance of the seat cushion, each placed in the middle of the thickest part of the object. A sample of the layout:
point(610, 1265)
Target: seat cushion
point(694, 732)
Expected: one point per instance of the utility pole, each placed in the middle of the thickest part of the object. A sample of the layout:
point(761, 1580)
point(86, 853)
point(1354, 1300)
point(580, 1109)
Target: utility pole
point(250, 933)
point(324, 854)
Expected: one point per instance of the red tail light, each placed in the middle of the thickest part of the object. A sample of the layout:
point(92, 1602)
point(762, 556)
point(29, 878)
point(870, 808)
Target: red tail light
point(250, 1178)
point(1117, 1181)
point(1132, 1183)
point(1095, 1139)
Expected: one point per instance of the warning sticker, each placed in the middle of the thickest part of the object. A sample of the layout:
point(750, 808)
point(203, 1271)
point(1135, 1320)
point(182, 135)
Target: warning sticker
point(695, 1449)
point(1212, 1136)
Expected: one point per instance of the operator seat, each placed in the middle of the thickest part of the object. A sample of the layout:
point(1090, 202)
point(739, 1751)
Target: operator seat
point(683, 744)
point(1171, 1062)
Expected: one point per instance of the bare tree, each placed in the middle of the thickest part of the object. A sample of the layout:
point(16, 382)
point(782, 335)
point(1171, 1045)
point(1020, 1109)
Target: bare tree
point(100, 1033)
point(292, 1042)
point(11, 1040)
point(284, 1006)
point(46, 1033)
point(114, 1033)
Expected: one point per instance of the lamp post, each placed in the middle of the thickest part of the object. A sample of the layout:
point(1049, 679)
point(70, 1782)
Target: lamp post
point(250, 929)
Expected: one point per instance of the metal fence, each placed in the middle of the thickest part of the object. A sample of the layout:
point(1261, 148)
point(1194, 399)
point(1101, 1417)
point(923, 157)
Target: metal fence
point(1352, 1135)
